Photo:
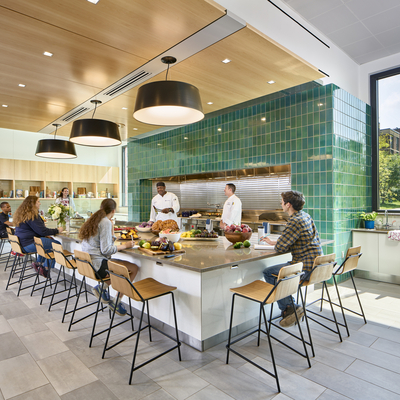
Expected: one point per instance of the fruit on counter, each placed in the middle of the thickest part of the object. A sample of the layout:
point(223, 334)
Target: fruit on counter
point(237, 228)
point(178, 246)
point(171, 246)
point(142, 242)
point(197, 233)
point(237, 245)
point(146, 245)
point(146, 224)
point(246, 243)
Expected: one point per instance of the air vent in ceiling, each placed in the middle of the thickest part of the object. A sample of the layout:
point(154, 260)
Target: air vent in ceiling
point(75, 113)
point(131, 80)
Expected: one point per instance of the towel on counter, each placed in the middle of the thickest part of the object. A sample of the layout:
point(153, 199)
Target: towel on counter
point(394, 235)
point(263, 247)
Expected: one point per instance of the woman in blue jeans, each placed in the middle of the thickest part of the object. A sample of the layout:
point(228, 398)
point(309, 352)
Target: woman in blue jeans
point(29, 224)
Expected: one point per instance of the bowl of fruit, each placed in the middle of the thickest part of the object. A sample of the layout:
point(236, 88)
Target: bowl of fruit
point(145, 226)
point(171, 235)
point(238, 233)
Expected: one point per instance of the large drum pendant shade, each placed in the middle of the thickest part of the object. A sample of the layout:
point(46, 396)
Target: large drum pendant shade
point(55, 148)
point(95, 132)
point(168, 103)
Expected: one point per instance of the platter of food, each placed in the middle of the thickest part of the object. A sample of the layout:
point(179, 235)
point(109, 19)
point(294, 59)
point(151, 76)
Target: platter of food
point(197, 234)
point(159, 226)
point(128, 235)
point(144, 227)
point(160, 246)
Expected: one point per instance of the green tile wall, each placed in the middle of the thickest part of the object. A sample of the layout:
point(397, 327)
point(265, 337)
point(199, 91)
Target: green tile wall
point(323, 132)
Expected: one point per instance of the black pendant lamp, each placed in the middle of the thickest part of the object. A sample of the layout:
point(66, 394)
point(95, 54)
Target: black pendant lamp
point(95, 132)
point(168, 102)
point(55, 148)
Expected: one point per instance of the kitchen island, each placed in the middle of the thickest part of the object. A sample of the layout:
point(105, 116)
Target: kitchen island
point(203, 276)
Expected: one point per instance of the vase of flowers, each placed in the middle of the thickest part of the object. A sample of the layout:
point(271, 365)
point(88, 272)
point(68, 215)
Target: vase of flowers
point(59, 213)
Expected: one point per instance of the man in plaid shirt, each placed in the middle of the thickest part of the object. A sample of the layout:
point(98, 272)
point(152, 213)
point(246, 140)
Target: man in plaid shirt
point(301, 238)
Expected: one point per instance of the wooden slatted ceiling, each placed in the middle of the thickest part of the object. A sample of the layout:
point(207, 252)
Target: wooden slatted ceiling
point(95, 45)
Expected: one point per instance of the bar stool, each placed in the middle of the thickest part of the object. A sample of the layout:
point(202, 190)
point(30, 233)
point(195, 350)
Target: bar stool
point(320, 273)
point(10, 231)
point(348, 265)
point(264, 293)
point(19, 264)
point(64, 258)
point(49, 255)
point(141, 291)
point(86, 269)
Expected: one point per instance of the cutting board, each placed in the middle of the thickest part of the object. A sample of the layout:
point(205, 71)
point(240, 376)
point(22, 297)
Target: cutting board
point(159, 252)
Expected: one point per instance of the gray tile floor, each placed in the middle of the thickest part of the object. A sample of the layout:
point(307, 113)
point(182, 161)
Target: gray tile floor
point(40, 359)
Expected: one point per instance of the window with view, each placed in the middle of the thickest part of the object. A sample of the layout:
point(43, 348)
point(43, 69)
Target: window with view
point(386, 138)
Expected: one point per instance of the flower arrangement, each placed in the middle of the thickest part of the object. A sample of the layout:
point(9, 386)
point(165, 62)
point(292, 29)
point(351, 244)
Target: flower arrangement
point(59, 213)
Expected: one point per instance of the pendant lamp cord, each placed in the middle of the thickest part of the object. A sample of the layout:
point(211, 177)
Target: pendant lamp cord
point(95, 106)
point(166, 76)
point(55, 133)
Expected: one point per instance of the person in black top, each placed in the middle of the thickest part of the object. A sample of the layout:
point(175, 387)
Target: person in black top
point(29, 224)
point(4, 219)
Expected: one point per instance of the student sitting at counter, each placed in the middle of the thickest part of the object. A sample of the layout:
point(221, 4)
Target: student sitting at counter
point(29, 224)
point(301, 238)
point(4, 219)
point(98, 240)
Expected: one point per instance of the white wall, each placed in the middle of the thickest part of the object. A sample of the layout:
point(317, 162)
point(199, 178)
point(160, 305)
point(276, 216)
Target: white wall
point(21, 145)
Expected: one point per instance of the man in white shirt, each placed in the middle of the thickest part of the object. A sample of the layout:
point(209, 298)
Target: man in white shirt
point(164, 205)
point(232, 212)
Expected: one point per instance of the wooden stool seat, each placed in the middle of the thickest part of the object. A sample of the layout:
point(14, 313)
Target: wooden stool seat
point(19, 264)
point(141, 291)
point(264, 293)
point(348, 266)
point(85, 267)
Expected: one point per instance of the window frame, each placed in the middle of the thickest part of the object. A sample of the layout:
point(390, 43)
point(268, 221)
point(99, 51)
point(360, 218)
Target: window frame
point(374, 79)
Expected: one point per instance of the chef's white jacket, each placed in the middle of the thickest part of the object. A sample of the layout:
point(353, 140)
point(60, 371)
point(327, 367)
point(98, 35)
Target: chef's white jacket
point(169, 200)
point(232, 212)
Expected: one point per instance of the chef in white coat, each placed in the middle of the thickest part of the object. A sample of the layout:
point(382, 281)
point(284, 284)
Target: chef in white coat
point(165, 205)
point(232, 212)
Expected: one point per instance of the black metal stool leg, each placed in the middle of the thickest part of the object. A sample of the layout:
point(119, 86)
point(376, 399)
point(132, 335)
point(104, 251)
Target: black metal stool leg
point(333, 312)
point(358, 298)
point(230, 330)
point(341, 306)
point(176, 328)
point(137, 344)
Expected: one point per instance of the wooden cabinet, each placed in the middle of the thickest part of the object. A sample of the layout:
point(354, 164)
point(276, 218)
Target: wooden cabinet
point(6, 169)
point(22, 170)
point(21, 174)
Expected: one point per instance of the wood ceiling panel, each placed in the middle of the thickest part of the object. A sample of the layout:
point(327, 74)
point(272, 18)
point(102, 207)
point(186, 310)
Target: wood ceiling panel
point(142, 27)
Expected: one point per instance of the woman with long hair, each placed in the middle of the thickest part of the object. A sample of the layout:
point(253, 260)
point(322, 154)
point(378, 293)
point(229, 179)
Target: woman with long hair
point(98, 240)
point(29, 224)
point(65, 199)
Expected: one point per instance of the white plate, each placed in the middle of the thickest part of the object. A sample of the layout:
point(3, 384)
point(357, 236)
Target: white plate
point(147, 229)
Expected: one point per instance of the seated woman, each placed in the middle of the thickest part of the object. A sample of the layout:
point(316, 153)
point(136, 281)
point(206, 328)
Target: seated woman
point(98, 240)
point(29, 224)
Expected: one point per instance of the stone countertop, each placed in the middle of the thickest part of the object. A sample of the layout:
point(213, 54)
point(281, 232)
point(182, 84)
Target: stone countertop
point(385, 231)
point(202, 256)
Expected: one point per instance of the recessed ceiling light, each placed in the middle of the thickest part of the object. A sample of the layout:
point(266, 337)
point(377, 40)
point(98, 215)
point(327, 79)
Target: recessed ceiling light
point(320, 104)
point(4, 105)
point(263, 119)
point(48, 54)
point(226, 61)
point(271, 82)
point(21, 85)
point(93, 1)
point(124, 108)
point(186, 138)
point(219, 129)
point(135, 129)
point(158, 144)
point(210, 102)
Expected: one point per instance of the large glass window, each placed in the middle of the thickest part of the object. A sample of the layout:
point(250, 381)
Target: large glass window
point(385, 102)
point(124, 200)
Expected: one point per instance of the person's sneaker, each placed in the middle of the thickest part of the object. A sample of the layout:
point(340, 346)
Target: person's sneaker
point(36, 266)
point(105, 297)
point(289, 317)
point(120, 309)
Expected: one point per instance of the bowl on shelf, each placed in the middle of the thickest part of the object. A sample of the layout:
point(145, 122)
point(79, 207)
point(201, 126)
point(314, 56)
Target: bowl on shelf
point(144, 230)
point(238, 236)
point(173, 237)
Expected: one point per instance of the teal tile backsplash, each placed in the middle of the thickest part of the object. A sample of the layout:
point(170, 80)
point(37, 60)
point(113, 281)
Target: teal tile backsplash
point(324, 133)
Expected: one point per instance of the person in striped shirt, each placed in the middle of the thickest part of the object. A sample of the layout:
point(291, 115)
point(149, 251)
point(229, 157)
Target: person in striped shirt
point(301, 238)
